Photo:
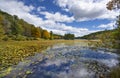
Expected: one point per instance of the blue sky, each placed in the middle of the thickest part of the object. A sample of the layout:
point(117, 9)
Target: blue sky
point(79, 17)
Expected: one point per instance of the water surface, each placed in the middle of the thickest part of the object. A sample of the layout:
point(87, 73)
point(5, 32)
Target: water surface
point(77, 60)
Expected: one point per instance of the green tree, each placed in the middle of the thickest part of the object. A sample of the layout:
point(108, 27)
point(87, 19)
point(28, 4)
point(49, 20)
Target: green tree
point(51, 35)
point(25, 28)
point(33, 31)
point(5, 24)
point(69, 36)
point(16, 29)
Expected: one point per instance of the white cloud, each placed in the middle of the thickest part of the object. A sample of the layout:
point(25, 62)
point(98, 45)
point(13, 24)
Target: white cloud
point(110, 62)
point(110, 25)
point(12, 6)
point(80, 72)
point(41, 8)
point(84, 10)
point(58, 17)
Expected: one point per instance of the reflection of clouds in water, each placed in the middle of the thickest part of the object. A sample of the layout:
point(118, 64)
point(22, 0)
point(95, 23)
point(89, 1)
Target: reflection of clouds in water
point(57, 62)
point(83, 73)
point(109, 62)
point(79, 73)
point(78, 54)
point(112, 54)
point(107, 58)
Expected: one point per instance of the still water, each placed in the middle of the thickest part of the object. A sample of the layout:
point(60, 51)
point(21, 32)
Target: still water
point(76, 60)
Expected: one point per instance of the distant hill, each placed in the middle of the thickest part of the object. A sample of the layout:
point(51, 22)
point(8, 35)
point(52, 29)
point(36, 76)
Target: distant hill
point(98, 35)
point(13, 28)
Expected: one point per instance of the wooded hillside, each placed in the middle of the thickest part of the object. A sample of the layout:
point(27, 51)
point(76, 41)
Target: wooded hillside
point(13, 28)
point(98, 35)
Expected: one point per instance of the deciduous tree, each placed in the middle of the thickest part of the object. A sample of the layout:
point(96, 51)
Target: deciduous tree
point(45, 34)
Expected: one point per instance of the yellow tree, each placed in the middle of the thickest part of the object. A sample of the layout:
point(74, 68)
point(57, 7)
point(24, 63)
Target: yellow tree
point(36, 32)
point(45, 34)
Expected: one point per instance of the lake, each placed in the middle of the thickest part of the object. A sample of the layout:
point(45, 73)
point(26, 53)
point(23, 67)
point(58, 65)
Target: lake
point(67, 60)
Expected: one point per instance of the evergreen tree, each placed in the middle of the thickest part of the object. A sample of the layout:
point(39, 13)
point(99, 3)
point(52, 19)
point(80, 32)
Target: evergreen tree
point(51, 35)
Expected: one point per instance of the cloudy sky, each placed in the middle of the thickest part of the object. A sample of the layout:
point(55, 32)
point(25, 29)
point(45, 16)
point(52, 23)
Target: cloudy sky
point(79, 17)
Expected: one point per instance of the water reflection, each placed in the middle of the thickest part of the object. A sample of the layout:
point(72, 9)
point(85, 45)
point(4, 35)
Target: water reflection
point(66, 61)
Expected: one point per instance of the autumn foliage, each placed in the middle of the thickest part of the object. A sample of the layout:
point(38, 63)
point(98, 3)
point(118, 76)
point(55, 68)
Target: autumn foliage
point(45, 34)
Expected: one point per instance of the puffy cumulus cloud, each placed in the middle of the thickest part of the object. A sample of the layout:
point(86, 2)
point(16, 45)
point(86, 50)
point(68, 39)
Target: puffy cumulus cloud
point(84, 10)
point(58, 17)
point(110, 25)
point(12, 6)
